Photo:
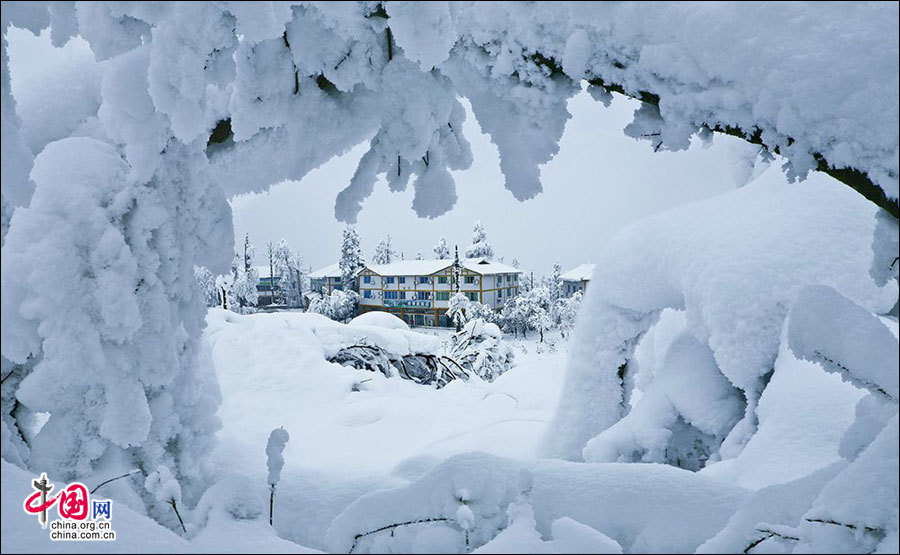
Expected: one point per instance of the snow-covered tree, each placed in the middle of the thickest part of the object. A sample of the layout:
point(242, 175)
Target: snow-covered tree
point(555, 283)
point(108, 349)
point(481, 311)
point(566, 311)
point(277, 295)
point(384, 254)
point(457, 309)
point(142, 222)
point(511, 318)
point(223, 290)
point(479, 248)
point(206, 281)
point(514, 263)
point(245, 279)
point(351, 261)
point(441, 250)
point(290, 274)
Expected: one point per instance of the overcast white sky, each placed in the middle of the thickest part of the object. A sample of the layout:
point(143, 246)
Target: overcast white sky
point(599, 182)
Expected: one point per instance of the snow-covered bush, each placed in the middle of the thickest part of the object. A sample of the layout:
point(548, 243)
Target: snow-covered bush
point(275, 460)
point(340, 305)
point(163, 486)
point(479, 348)
point(457, 309)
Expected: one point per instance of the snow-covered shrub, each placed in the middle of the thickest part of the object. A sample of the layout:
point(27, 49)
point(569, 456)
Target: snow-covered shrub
point(163, 486)
point(340, 305)
point(275, 460)
point(479, 348)
point(422, 368)
point(735, 292)
point(457, 309)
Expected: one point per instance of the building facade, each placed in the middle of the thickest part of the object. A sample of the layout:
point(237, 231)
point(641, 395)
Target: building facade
point(419, 291)
point(577, 279)
point(326, 280)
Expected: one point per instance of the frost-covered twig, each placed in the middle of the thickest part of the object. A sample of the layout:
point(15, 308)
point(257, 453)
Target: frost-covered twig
point(175, 508)
point(844, 524)
point(101, 484)
point(396, 525)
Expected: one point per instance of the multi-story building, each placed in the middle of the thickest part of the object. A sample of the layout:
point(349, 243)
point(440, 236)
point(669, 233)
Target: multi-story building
point(419, 291)
point(577, 279)
point(267, 289)
point(326, 280)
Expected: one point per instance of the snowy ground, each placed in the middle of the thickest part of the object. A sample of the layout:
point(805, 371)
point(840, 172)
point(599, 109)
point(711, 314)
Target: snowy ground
point(345, 442)
point(366, 450)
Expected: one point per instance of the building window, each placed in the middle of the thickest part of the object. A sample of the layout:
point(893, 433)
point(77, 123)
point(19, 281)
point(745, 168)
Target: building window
point(422, 295)
point(509, 292)
point(424, 279)
point(367, 293)
point(402, 295)
point(401, 279)
point(338, 287)
point(473, 296)
point(367, 279)
point(469, 279)
point(390, 295)
point(500, 278)
point(442, 280)
point(389, 279)
point(442, 296)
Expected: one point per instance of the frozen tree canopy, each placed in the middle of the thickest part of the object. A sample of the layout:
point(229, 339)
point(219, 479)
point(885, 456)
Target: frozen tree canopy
point(117, 170)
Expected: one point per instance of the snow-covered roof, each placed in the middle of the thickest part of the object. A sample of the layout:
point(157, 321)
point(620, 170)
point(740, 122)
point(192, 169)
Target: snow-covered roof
point(483, 266)
point(410, 267)
point(333, 271)
point(427, 267)
point(579, 273)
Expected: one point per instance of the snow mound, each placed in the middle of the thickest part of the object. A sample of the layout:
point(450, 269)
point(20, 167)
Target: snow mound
point(381, 319)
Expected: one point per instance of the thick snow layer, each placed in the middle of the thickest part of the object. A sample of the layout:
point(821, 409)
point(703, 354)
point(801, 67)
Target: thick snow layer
point(645, 508)
point(379, 319)
point(828, 328)
point(802, 417)
point(734, 263)
point(579, 273)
